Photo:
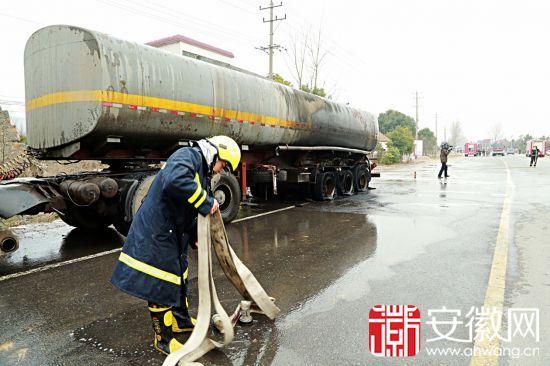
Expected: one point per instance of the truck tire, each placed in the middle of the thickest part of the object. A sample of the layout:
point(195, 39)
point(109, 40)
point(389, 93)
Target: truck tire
point(324, 188)
point(344, 185)
point(131, 202)
point(227, 191)
point(261, 176)
point(361, 178)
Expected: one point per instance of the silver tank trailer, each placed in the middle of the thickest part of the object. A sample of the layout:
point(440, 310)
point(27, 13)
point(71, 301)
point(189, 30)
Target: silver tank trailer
point(85, 86)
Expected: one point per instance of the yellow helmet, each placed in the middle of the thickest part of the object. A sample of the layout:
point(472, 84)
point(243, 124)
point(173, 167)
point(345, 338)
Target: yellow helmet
point(228, 150)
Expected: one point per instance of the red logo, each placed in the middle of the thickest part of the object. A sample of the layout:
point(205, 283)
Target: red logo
point(394, 330)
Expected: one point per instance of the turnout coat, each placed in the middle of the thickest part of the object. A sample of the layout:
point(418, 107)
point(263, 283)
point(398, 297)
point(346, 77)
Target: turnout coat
point(153, 260)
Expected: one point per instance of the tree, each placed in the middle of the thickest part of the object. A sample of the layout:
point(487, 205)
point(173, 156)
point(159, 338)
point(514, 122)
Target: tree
point(496, 132)
point(278, 78)
point(298, 48)
point(308, 54)
point(456, 135)
point(521, 142)
point(317, 54)
point(391, 119)
point(402, 139)
point(317, 91)
point(391, 156)
point(429, 141)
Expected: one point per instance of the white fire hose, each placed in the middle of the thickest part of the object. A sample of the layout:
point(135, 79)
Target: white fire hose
point(211, 233)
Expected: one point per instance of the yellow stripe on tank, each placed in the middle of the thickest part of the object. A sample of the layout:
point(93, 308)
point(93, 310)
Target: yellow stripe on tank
point(101, 96)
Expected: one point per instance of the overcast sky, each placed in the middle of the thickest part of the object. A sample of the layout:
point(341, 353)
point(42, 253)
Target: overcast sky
point(481, 62)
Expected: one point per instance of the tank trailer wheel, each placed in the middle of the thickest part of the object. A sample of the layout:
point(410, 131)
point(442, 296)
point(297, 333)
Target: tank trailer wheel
point(325, 186)
point(228, 194)
point(361, 178)
point(345, 183)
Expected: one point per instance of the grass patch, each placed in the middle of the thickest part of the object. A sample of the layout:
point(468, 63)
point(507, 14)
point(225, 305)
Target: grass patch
point(29, 219)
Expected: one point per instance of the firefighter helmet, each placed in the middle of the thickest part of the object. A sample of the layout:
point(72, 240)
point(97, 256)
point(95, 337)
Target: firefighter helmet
point(228, 150)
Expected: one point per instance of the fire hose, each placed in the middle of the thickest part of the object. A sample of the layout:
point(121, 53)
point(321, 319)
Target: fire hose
point(212, 234)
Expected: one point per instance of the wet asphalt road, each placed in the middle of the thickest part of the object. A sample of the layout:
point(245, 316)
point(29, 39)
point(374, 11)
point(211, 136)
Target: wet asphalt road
point(420, 241)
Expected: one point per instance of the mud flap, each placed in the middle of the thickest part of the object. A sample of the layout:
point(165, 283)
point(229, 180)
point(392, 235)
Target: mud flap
point(17, 197)
point(211, 232)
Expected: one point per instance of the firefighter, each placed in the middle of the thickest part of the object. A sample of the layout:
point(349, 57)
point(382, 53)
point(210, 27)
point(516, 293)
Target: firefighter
point(153, 262)
point(445, 150)
point(534, 155)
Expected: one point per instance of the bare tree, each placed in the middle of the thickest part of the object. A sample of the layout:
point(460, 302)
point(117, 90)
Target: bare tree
point(297, 54)
point(496, 132)
point(306, 56)
point(317, 54)
point(457, 137)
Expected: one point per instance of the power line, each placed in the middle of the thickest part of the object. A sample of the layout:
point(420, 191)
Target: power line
point(299, 27)
point(194, 19)
point(22, 19)
point(206, 27)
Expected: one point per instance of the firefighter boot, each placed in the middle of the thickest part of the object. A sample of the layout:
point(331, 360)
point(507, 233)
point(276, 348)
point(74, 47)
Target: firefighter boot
point(183, 322)
point(162, 319)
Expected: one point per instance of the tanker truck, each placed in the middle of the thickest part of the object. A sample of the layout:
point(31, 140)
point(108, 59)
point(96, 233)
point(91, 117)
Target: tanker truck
point(90, 96)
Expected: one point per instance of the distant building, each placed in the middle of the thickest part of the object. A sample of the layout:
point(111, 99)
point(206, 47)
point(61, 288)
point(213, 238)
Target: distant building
point(185, 46)
point(383, 140)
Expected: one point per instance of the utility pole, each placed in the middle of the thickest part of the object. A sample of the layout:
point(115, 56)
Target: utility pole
point(271, 46)
point(416, 136)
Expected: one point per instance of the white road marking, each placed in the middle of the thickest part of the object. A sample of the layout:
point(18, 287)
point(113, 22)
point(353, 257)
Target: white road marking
point(60, 264)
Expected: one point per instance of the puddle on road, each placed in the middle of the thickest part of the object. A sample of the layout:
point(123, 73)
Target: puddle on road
point(127, 334)
point(44, 243)
point(130, 335)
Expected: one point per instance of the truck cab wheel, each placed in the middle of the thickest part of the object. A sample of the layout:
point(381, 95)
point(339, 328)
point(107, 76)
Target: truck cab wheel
point(324, 188)
point(227, 192)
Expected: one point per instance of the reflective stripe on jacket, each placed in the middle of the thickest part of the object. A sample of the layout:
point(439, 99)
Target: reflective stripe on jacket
point(151, 264)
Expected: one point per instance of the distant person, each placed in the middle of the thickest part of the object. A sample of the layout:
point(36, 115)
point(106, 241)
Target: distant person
point(534, 155)
point(445, 150)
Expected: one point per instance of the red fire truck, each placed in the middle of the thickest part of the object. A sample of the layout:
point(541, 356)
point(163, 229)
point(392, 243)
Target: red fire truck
point(470, 149)
point(538, 143)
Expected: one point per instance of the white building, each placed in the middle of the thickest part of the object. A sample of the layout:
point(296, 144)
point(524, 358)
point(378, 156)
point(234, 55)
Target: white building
point(186, 46)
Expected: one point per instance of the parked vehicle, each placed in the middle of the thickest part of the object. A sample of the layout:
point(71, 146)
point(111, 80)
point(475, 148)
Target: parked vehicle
point(91, 96)
point(542, 145)
point(470, 149)
point(497, 149)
